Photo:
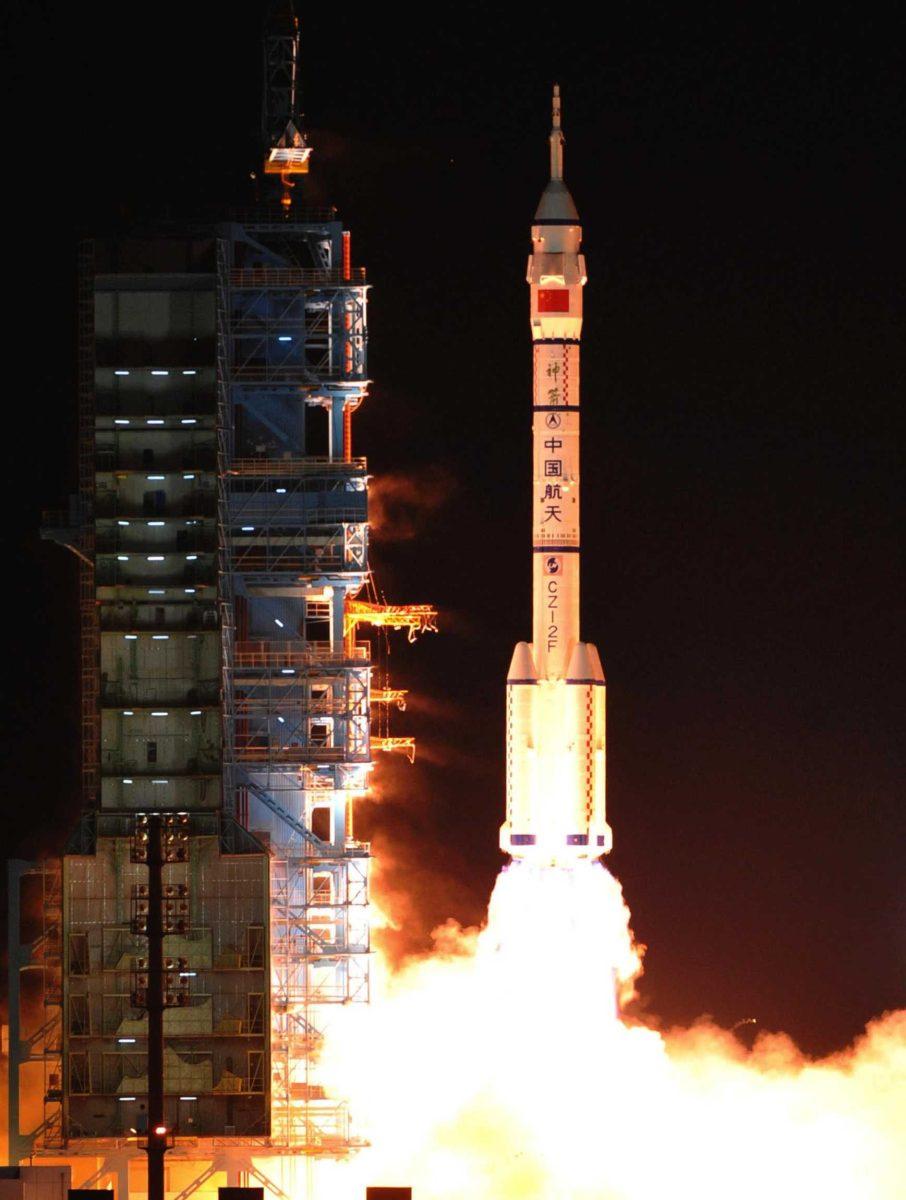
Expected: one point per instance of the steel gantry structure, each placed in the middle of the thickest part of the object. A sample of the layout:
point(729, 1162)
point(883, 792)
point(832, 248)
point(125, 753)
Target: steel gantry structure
point(293, 538)
point(221, 532)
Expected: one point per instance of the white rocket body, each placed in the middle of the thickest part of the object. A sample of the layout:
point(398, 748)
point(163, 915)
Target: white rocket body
point(555, 734)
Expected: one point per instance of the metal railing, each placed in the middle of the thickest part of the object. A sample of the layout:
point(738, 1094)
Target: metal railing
point(273, 277)
point(293, 754)
point(276, 214)
point(279, 467)
point(309, 375)
point(284, 522)
point(287, 654)
point(282, 559)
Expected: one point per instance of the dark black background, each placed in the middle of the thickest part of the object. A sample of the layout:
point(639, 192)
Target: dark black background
point(741, 184)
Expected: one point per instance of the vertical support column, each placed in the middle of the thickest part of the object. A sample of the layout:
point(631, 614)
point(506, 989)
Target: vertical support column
point(18, 1147)
point(347, 433)
point(122, 1177)
point(89, 621)
point(225, 587)
point(347, 346)
point(157, 1131)
point(340, 428)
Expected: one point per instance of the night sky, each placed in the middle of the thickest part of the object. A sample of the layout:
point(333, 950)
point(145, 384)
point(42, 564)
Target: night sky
point(741, 186)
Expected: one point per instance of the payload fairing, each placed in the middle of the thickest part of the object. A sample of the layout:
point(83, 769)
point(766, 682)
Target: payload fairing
point(555, 735)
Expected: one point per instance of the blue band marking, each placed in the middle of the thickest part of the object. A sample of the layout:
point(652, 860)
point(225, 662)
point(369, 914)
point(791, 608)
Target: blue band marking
point(521, 682)
point(577, 839)
point(555, 549)
point(587, 682)
point(522, 839)
point(602, 841)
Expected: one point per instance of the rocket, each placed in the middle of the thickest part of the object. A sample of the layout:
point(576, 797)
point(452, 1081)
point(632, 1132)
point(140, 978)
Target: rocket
point(555, 737)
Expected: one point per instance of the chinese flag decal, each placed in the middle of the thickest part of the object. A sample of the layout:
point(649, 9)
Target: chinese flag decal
point(553, 300)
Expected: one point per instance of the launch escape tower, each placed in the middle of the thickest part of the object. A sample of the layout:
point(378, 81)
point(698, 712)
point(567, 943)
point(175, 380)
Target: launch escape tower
point(221, 528)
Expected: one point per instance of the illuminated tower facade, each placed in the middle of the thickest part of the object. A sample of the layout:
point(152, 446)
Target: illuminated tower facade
point(221, 529)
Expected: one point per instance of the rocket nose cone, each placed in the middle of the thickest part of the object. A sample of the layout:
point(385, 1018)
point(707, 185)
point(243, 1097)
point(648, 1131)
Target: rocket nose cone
point(556, 204)
point(522, 665)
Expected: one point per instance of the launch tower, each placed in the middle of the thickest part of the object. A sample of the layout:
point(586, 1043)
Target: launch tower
point(221, 531)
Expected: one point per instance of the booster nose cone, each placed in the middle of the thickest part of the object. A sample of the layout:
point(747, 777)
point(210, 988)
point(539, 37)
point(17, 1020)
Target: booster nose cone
point(598, 668)
point(582, 666)
point(522, 665)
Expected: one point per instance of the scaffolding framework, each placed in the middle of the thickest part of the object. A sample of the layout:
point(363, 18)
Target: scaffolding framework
point(221, 527)
point(293, 533)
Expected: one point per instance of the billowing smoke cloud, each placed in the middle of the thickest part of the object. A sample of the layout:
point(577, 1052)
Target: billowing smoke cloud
point(400, 506)
point(499, 1067)
point(413, 888)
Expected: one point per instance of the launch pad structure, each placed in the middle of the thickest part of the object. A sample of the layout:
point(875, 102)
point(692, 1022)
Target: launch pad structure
point(221, 532)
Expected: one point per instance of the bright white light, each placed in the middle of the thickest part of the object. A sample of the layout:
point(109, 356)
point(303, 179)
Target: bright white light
point(160, 637)
point(160, 372)
point(122, 558)
point(248, 528)
point(160, 780)
point(120, 421)
point(130, 637)
point(155, 477)
point(154, 421)
point(154, 558)
point(160, 714)
point(157, 591)
point(157, 522)
point(188, 421)
point(196, 712)
point(123, 1099)
point(277, 621)
point(122, 522)
point(126, 1041)
point(189, 372)
point(191, 557)
point(284, 337)
point(127, 712)
point(281, 720)
point(188, 477)
point(121, 372)
point(188, 1097)
point(189, 591)
point(127, 781)
point(281, 491)
point(187, 974)
point(287, 671)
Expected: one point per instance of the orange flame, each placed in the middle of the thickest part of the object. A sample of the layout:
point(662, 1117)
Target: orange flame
point(499, 1066)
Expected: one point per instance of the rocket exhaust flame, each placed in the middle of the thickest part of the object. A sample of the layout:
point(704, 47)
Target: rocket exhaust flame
point(500, 1067)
